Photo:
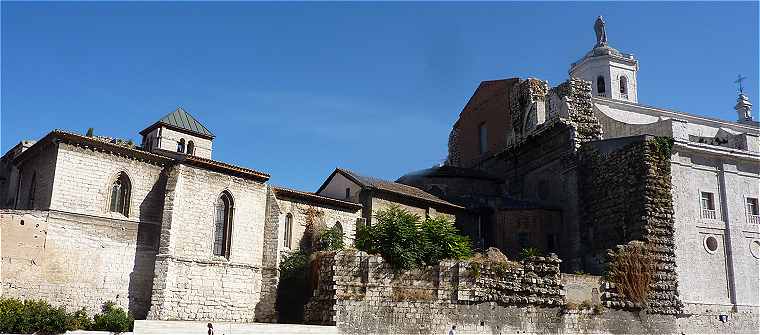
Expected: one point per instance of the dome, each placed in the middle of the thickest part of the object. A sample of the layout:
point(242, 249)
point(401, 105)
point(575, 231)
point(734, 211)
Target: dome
point(448, 171)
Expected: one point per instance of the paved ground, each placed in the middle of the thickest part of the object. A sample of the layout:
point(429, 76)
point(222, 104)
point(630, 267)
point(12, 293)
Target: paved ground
point(224, 328)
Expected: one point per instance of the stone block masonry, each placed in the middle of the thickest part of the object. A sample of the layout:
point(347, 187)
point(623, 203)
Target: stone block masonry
point(626, 192)
point(360, 293)
point(192, 283)
point(77, 261)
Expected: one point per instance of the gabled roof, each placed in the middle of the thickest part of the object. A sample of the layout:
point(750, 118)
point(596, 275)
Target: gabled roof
point(182, 121)
point(387, 186)
point(291, 193)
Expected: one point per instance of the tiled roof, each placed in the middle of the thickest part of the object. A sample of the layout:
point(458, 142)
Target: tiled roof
point(93, 142)
point(287, 192)
point(392, 187)
point(214, 165)
point(181, 120)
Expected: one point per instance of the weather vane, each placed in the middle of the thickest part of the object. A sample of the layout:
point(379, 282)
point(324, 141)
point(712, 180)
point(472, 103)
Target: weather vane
point(739, 81)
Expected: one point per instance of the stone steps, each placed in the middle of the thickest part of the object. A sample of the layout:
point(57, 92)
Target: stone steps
point(226, 328)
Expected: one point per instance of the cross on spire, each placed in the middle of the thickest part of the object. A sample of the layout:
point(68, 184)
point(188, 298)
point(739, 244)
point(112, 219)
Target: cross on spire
point(739, 81)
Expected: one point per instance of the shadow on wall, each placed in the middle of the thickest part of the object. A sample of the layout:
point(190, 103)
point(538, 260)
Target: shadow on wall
point(148, 236)
point(294, 289)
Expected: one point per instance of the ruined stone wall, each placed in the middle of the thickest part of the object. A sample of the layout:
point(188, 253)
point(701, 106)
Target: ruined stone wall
point(191, 283)
point(77, 261)
point(626, 191)
point(361, 294)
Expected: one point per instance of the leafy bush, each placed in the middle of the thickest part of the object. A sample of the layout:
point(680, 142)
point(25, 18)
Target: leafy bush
point(442, 241)
point(331, 239)
point(31, 316)
point(78, 320)
point(113, 319)
point(394, 236)
point(406, 242)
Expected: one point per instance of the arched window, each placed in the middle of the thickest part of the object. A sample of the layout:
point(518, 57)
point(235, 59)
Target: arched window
point(288, 230)
point(32, 190)
point(181, 145)
point(223, 225)
point(623, 85)
point(120, 193)
point(190, 147)
point(600, 87)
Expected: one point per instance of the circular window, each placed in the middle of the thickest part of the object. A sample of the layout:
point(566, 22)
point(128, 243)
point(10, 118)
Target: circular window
point(711, 244)
point(754, 248)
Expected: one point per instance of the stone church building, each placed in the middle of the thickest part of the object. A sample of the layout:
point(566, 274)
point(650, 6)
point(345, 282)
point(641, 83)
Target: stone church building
point(169, 233)
point(573, 161)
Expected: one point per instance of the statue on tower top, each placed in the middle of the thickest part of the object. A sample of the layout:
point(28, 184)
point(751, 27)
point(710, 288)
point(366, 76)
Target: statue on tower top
point(601, 32)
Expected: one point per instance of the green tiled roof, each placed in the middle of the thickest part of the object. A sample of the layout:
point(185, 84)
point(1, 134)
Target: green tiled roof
point(181, 120)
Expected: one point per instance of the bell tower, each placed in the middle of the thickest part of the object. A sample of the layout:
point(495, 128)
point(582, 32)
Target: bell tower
point(612, 73)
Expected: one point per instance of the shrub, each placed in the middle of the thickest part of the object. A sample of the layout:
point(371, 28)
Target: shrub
point(113, 319)
point(442, 241)
point(331, 239)
point(630, 268)
point(11, 311)
point(78, 320)
point(529, 252)
point(394, 236)
point(405, 241)
point(585, 304)
point(31, 316)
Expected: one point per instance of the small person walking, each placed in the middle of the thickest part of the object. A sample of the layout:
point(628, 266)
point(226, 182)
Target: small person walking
point(453, 330)
point(210, 329)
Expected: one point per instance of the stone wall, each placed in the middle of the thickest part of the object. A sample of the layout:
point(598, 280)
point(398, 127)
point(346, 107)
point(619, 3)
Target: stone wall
point(361, 294)
point(37, 174)
point(191, 283)
point(325, 215)
point(516, 229)
point(626, 192)
point(83, 179)
point(703, 273)
point(77, 261)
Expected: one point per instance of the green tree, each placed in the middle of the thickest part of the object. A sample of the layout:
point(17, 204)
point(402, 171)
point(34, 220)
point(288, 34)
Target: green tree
point(405, 241)
point(442, 241)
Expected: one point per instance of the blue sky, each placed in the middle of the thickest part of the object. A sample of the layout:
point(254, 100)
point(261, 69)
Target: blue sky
point(296, 89)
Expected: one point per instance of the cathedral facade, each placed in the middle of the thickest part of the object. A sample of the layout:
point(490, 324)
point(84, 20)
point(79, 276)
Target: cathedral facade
point(572, 148)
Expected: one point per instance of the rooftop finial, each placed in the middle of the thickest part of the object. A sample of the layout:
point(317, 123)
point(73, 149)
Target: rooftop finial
point(601, 32)
point(739, 80)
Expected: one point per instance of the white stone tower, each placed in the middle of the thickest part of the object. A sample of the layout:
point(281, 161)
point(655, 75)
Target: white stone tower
point(743, 108)
point(612, 73)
